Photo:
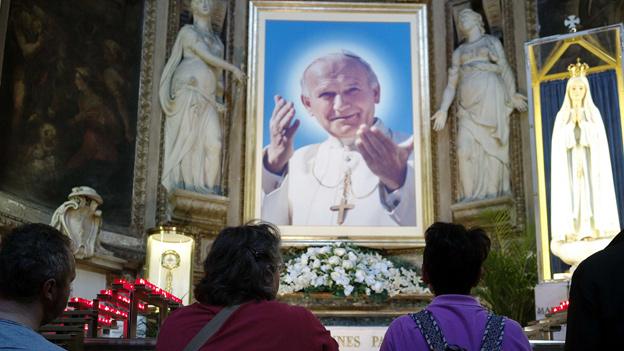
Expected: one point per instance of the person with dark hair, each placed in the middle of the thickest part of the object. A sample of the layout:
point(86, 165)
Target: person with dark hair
point(454, 320)
point(36, 271)
point(596, 312)
point(236, 308)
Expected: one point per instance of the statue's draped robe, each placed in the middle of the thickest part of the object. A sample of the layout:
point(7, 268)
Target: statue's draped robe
point(192, 130)
point(485, 87)
point(582, 199)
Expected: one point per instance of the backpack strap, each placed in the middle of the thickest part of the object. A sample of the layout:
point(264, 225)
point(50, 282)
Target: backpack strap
point(493, 335)
point(210, 328)
point(430, 330)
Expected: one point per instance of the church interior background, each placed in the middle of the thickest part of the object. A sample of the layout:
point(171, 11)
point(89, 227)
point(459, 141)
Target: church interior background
point(92, 143)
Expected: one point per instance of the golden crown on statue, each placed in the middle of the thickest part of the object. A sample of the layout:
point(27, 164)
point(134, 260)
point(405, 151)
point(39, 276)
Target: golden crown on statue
point(579, 69)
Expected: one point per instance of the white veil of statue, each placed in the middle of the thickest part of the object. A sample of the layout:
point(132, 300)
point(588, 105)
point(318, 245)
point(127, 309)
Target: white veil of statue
point(582, 199)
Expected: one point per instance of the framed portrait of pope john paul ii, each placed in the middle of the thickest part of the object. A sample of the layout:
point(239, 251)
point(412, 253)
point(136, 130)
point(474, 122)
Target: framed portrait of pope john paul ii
point(338, 143)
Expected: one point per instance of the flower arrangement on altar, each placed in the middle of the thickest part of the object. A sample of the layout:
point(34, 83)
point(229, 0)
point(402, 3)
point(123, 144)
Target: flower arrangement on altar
point(345, 270)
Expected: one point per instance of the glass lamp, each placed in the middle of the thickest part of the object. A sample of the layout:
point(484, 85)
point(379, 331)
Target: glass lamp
point(169, 261)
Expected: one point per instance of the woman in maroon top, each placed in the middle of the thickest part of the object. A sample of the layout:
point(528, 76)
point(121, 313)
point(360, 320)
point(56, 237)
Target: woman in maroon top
point(243, 267)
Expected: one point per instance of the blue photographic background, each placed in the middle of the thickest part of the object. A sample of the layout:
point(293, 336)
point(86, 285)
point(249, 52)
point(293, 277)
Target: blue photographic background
point(292, 45)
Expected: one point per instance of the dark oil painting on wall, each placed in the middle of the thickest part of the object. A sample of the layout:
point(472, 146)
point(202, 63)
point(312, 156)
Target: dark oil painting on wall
point(68, 101)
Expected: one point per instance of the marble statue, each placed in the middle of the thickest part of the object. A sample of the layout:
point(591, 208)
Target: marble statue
point(583, 208)
point(189, 91)
point(80, 219)
point(484, 85)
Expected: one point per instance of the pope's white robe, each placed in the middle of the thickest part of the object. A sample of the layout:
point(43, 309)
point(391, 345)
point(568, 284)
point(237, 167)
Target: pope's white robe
point(314, 181)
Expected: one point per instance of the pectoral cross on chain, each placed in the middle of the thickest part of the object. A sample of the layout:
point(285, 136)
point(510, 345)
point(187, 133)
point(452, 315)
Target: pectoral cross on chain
point(344, 205)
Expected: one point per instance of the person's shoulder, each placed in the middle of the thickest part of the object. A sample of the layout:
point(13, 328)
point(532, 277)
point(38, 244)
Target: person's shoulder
point(402, 320)
point(602, 259)
point(278, 307)
point(298, 325)
point(40, 344)
point(183, 313)
point(403, 331)
point(514, 337)
point(288, 312)
point(46, 345)
point(401, 324)
point(14, 336)
point(192, 308)
point(512, 325)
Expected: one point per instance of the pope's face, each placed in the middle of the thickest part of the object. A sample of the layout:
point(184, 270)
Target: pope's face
point(577, 91)
point(340, 96)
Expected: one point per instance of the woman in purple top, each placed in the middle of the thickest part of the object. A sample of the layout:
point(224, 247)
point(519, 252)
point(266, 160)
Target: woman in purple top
point(454, 320)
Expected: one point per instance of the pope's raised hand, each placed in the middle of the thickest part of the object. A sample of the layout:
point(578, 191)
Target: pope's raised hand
point(386, 159)
point(282, 127)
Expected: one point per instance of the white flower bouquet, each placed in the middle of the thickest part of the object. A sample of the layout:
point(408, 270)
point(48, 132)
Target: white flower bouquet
point(347, 271)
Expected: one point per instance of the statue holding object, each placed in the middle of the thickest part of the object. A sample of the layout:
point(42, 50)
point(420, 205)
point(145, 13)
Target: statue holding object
point(190, 90)
point(483, 83)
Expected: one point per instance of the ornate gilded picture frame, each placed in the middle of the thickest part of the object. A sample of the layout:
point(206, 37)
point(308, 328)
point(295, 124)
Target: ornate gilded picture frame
point(84, 115)
point(317, 195)
point(577, 121)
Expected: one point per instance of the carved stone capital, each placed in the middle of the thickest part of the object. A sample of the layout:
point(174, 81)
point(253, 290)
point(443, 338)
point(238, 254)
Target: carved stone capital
point(206, 211)
point(475, 213)
point(124, 247)
point(107, 262)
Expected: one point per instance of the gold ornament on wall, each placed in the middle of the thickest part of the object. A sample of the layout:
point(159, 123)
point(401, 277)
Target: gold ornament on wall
point(169, 260)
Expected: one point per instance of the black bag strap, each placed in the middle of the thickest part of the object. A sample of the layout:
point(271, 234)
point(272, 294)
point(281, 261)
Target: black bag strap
point(494, 332)
point(210, 328)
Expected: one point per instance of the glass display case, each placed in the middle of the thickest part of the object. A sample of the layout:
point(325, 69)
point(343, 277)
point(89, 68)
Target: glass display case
point(169, 261)
point(575, 97)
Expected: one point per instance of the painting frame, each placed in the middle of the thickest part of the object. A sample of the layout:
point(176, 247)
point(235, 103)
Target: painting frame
point(546, 58)
point(415, 14)
point(145, 179)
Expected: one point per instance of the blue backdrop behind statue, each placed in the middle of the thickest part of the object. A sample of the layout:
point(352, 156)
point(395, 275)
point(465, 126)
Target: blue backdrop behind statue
point(604, 92)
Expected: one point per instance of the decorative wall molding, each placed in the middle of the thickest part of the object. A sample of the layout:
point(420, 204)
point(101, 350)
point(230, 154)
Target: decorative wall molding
point(515, 123)
point(204, 211)
point(137, 223)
